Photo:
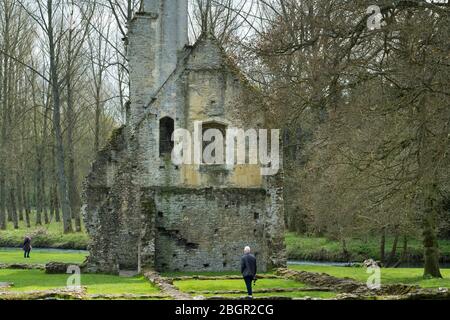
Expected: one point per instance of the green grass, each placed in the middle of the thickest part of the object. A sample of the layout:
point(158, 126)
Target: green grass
point(45, 236)
point(227, 285)
point(38, 256)
point(411, 276)
point(231, 285)
point(298, 247)
point(206, 274)
point(297, 294)
point(322, 249)
point(31, 280)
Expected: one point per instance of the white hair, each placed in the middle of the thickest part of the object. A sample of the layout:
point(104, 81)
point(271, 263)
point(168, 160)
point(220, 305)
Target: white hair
point(247, 249)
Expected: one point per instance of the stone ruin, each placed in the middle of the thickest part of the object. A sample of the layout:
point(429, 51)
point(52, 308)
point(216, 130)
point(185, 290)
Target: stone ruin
point(143, 212)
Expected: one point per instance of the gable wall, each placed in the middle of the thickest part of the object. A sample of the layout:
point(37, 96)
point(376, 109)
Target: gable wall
point(205, 91)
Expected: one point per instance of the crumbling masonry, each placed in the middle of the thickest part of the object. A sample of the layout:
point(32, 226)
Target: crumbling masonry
point(141, 210)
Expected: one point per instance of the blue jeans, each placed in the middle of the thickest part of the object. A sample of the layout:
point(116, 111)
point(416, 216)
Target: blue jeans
point(248, 283)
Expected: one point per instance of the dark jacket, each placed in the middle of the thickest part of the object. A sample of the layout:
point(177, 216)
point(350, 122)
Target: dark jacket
point(27, 244)
point(248, 265)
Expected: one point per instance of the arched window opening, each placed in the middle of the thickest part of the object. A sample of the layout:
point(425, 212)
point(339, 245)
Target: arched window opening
point(217, 126)
point(166, 129)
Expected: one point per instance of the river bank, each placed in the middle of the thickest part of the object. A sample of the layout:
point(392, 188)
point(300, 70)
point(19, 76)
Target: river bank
point(302, 248)
point(298, 247)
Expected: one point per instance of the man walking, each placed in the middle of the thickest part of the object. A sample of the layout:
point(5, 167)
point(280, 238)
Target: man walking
point(248, 270)
point(26, 247)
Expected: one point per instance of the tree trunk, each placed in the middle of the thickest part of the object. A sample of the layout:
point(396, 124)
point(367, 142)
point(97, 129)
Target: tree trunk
point(42, 153)
point(13, 208)
point(54, 190)
point(57, 207)
point(383, 245)
point(3, 224)
point(73, 192)
point(74, 197)
point(62, 180)
point(4, 124)
point(10, 217)
point(404, 252)
point(431, 248)
point(44, 200)
point(38, 192)
point(97, 125)
point(344, 249)
point(26, 201)
point(20, 204)
point(393, 251)
point(2, 177)
point(428, 192)
point(61, 175)
point(52, 205)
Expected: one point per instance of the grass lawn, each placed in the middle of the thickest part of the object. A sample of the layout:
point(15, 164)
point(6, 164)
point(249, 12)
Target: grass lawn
point(298, 294)
point(298, 247)
point(45, 236)
point(322, 249)
point(30, 280)
point(38, 256)
point(226, 285)
point(205, 274)
point(412, 276)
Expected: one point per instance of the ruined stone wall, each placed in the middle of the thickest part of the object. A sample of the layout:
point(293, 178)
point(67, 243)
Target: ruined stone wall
point(121, 233)
point(100, 217)
point(275, 231)
point(207, 229)
point(143, 211)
